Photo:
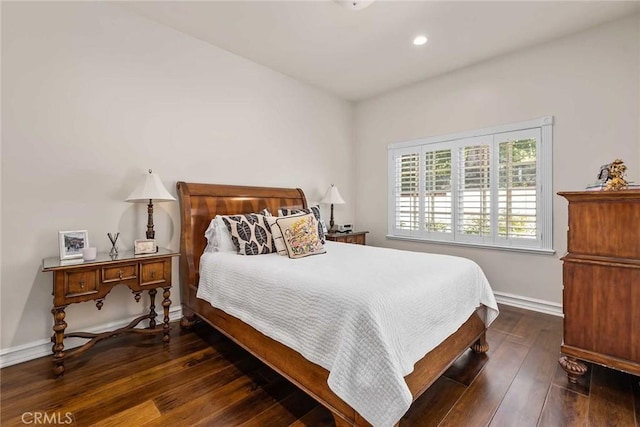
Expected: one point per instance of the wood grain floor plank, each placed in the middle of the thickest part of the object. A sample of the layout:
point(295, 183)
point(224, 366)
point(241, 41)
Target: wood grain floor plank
point(125, 393)
point(523, 402)
point(206, 382)
point(431, 408)
point(201, 407)
point(564, 408)
point(137, 382)
point(317, 417)
point(283, 412)
point(116, 402)
point(467, 367)
point(611, 399)
point(205, 406)
point(508, 318)
point(257, 401)
point(481, 399)
point(132, 417)
point(527, 329)
point(62, 394)
point(22, 379)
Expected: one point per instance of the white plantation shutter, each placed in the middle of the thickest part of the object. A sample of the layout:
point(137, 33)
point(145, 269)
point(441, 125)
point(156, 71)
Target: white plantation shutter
point(437, 191)
point(407, 191)
point(490, 187)
point(518, 185)
point(474, 189)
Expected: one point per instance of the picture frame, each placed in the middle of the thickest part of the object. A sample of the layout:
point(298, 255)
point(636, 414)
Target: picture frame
point(603, 175)
point(144, 246)
point(72, 242)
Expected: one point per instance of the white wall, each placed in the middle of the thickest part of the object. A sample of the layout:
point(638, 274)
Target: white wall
point(589, 81)
point(92, 96)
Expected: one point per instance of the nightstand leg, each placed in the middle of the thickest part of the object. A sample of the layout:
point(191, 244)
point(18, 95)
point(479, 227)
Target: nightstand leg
point(166, 303)
point(59, 325)
point(152, 308)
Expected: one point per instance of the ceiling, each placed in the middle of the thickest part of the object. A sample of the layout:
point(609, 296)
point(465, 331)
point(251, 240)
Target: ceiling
point(357, 54)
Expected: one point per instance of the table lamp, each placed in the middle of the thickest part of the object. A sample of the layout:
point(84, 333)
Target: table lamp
point(332, 197)
point(150, 189)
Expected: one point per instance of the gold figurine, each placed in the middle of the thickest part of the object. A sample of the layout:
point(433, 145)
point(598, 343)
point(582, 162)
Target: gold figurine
point(616, 180)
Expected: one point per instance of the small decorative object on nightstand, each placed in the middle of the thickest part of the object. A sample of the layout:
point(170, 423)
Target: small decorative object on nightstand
point(93, 280)
point(113, 238)
point(355, 237)
point(147, 246)
point(72, 243)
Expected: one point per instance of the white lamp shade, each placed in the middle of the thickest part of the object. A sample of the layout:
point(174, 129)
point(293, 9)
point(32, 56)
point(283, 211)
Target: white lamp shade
point(333, 197)
point(150, 188)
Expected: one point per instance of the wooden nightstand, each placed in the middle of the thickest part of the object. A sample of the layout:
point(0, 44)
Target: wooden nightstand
point(355, 237)
point(93, 280)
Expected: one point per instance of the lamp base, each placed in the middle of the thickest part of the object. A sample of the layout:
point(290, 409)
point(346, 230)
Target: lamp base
point(151, 234)
point(332, 224)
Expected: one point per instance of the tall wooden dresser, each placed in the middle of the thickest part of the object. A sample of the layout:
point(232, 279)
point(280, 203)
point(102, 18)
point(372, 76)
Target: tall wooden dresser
point(601, 277)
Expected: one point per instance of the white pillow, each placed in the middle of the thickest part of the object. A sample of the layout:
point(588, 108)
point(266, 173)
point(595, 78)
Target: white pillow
point(219, 237)
point(225, 244)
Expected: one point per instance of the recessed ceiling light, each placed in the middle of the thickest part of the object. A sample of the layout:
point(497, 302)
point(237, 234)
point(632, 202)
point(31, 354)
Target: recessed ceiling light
point(354, 4)
point(420, 40)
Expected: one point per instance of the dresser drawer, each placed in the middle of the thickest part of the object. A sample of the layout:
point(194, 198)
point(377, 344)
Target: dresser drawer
point(155, 273)
point(80, 283)
point(120, 273)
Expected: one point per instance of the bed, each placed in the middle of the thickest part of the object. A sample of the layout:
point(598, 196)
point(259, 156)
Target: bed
point(199, 203)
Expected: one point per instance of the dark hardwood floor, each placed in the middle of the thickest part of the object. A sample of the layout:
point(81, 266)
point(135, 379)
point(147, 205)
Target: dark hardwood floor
point(203, 379)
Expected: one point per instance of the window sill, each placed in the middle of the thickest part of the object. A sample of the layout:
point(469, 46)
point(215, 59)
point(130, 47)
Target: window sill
point(476, 245)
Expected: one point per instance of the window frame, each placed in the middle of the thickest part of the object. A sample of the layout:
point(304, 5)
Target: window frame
point(543, 243)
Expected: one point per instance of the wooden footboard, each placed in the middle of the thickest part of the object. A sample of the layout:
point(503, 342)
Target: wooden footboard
point(199, 204)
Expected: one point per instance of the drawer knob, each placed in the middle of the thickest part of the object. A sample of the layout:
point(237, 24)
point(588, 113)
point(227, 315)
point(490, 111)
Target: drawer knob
point(153, 274)
point(120, 272)
point(81, 283)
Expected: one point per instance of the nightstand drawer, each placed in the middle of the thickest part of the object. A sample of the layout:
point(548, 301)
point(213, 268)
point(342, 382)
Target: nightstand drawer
point(355, 237)
point(120, 273)
point(80, 283)
point(154, 273)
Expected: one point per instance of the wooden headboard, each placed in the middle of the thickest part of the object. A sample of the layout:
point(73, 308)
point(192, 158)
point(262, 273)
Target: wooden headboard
point(199, 203)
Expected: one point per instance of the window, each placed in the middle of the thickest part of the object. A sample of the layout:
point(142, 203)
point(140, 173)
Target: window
point(490, 187)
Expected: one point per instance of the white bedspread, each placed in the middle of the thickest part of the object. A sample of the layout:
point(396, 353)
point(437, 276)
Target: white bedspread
point(365, 314)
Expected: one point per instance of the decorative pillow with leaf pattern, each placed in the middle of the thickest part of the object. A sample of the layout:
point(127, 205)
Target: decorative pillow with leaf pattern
point(250, 233)
point(315, 210)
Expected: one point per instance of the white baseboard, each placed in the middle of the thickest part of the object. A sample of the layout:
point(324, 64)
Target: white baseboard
point(533, 304)
point(33, 350)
